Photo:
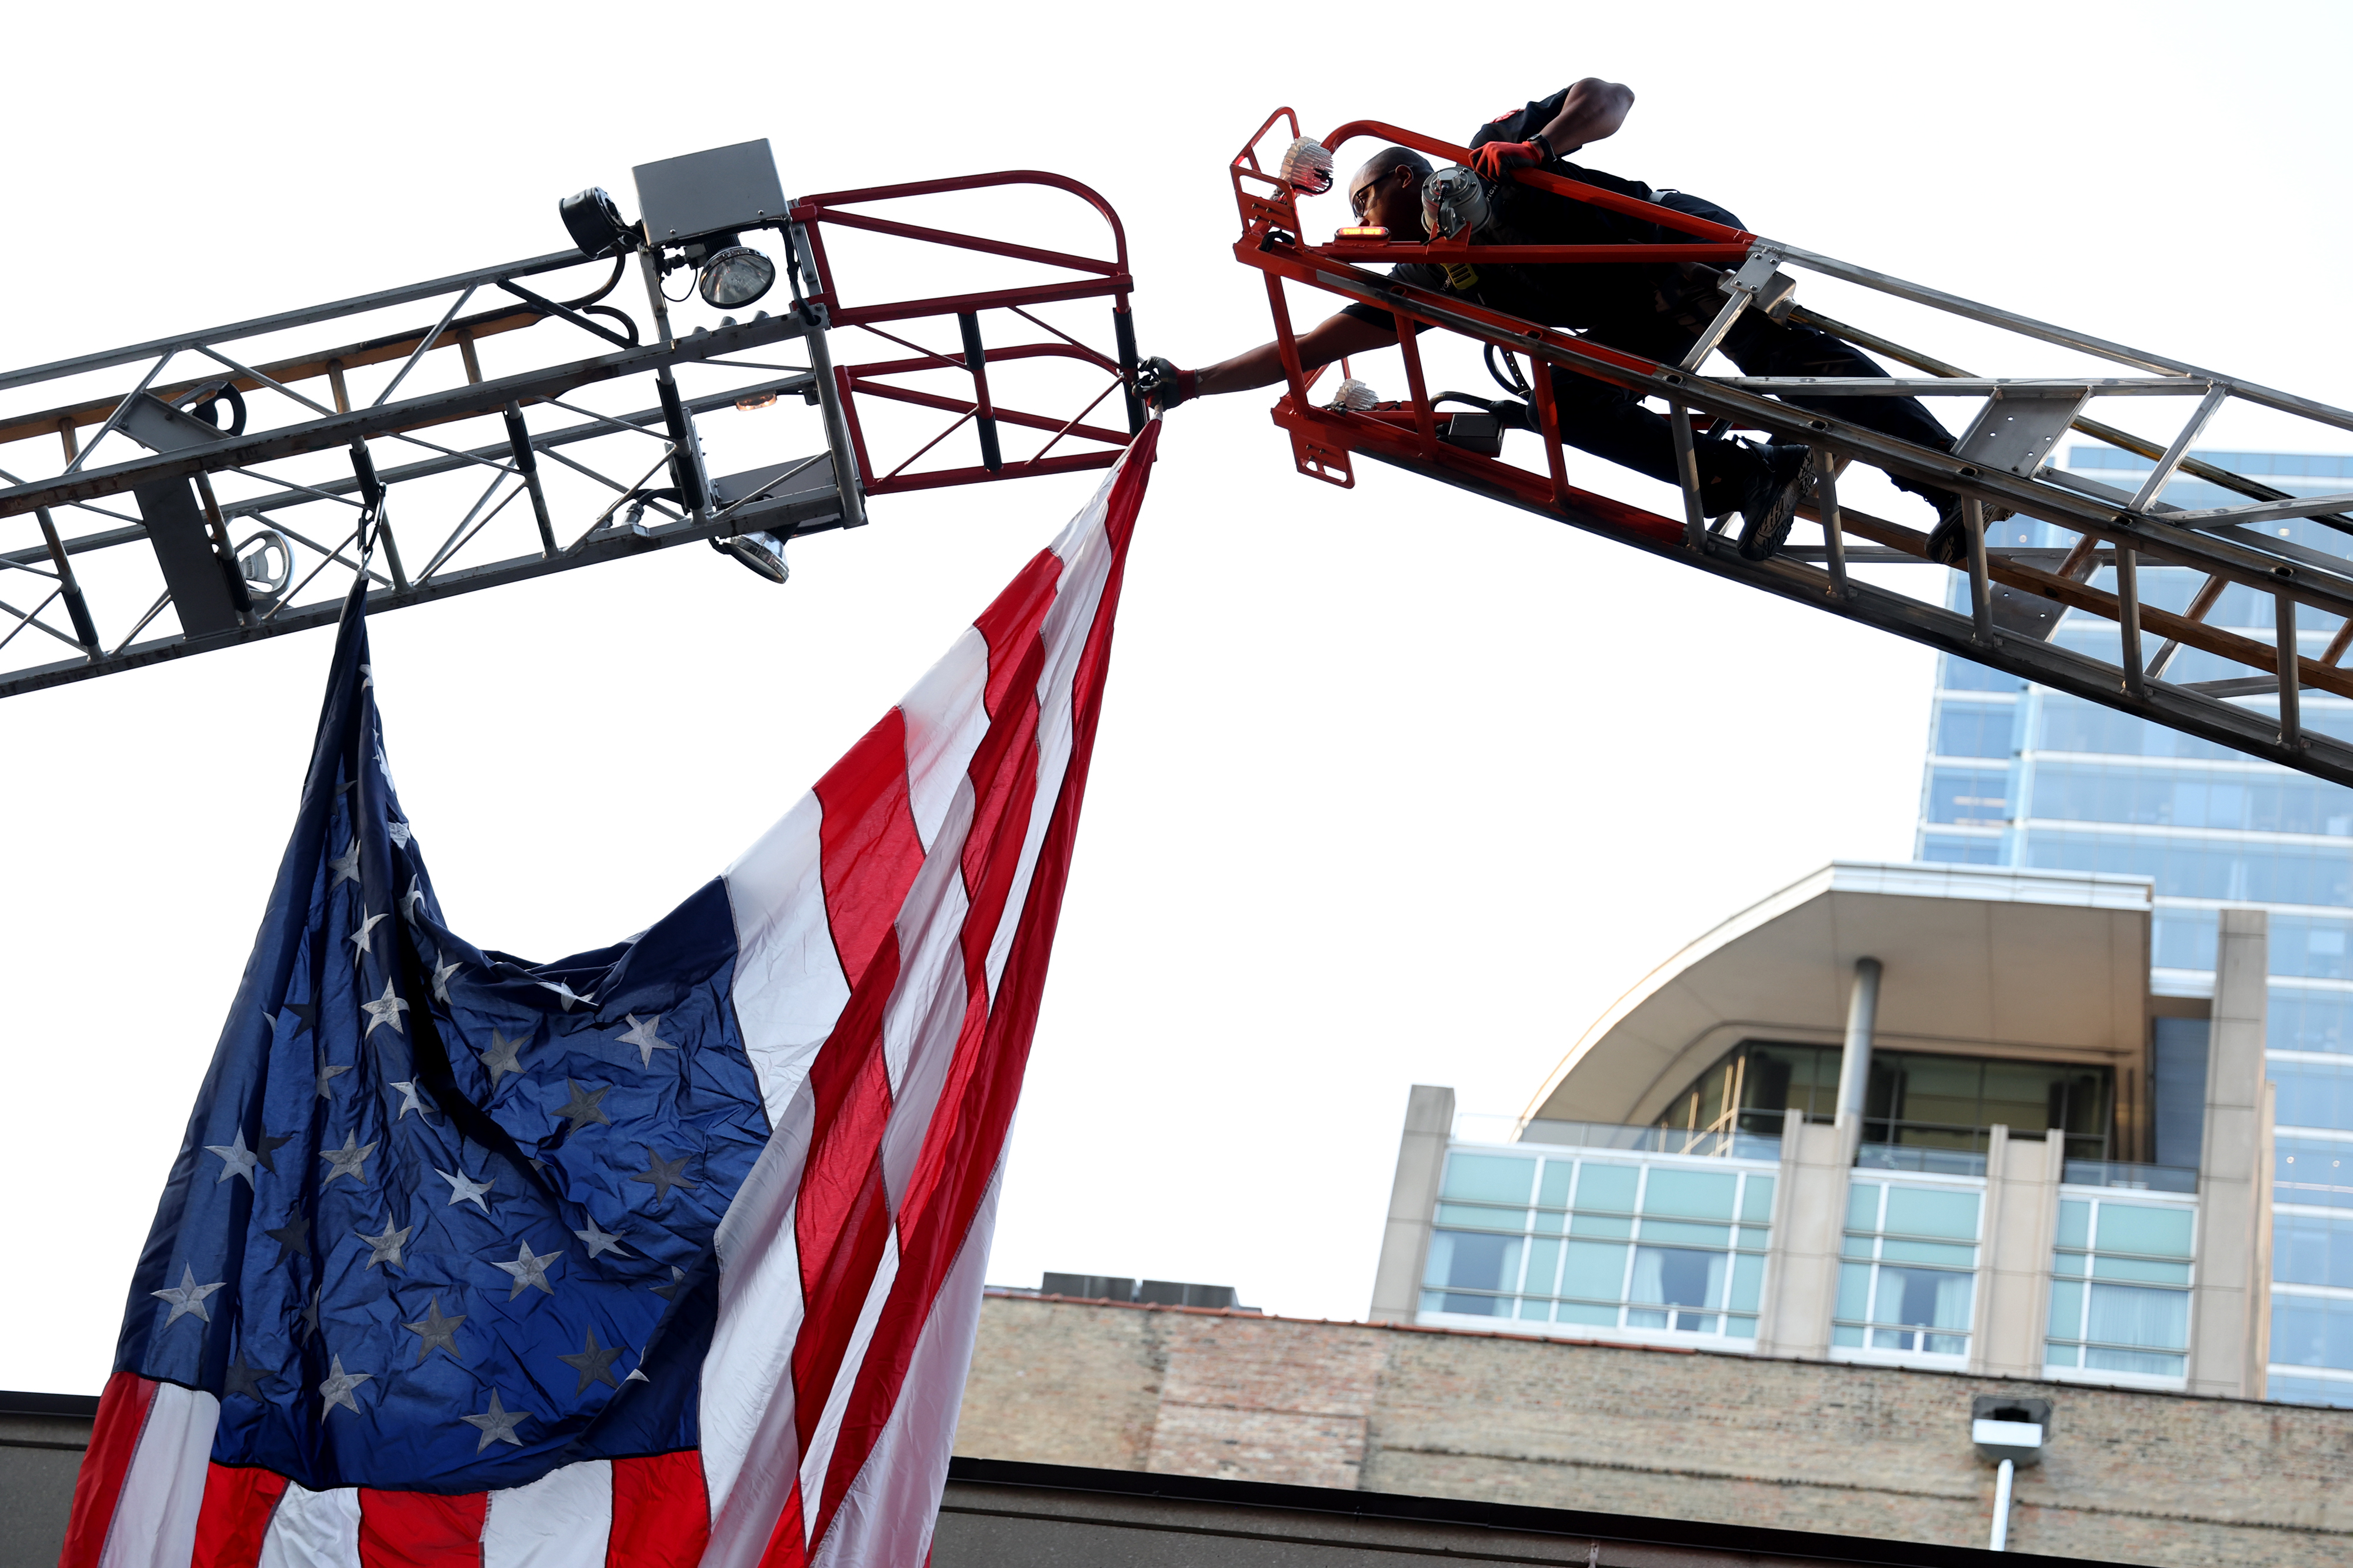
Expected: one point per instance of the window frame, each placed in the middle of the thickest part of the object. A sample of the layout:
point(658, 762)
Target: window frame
point(2090, 1250)
point(1529, 1232)
point(1867, 1353)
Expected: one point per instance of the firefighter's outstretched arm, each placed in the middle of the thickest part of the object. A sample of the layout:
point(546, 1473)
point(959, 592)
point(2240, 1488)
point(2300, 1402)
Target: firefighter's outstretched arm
point(1164, 386)
point(1594, 109)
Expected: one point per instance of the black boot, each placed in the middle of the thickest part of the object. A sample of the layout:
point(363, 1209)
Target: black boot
point(1769, 502)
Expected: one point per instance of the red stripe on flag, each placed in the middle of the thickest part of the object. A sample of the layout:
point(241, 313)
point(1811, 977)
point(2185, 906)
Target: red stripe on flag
point(238, 1506)
point(1010, 623)
point(122, 1417)
point(867, 843)
point(661, 1512)
point(420, 1530)
point(967, 1137)
point(786, 1548)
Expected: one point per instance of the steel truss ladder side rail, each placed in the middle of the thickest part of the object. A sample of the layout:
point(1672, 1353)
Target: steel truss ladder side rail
point(801, 495)
point(2015, 598)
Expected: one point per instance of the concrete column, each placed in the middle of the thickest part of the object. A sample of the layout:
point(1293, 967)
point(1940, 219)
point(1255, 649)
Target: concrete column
point(2014, 1265)
point(1862, 1018)
point(2229, 1308)
point(1809, 1221)
point(1413, 1198)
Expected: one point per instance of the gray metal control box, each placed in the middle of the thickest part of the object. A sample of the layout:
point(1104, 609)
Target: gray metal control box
point(723, 191)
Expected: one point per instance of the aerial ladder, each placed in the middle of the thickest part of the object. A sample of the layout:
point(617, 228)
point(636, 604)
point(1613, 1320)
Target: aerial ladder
point(2014, 598)
point(203, 491)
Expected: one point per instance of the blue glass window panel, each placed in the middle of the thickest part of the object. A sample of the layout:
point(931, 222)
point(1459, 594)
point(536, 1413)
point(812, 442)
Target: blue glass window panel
point(2073, 724)
point(2101, 1358)
point(1863, 1205)
point(1860, 1245)
point(1974, 730)
point(2309, 1391)
point(1950, 849)
point(2196, 868)
point(2074, 1223)
point(2313, 1249)
point(1681, 1233)
point(1599, 1224)
point(1753, 1237)
point(2070, 1265)
point(2066, 1311)
point(1473, 1262)
point(1553, 1191)
point(1961, 675)
point(2312, 1172)
point(1757, 1199)
point(1530, 1308)
point(2183, 938)
point(1978, 797)
point(1610, 1188)
point(1489, 1178)
point(1941, 1253)
point(2313, 947)
point(1854, 1291)
point(2299, 1020)
point(2143, 1228)
point(1739, 1328)
point(1932, 1211)
point(1586, 1312)
point(1747, 1282)
point(2312, 1330)
point(1543, 1268)
point(2143, 1269)
point(2061, 1355)
point(2314, 1094)
point(1693, 1194)
point(1548, 1223)
point(2162, 797)
point(1596, 1270)
point(1481, 1218)
point(1845, 1335)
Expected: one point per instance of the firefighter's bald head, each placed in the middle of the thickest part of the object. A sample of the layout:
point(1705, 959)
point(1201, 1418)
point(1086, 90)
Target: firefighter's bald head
point(1387, 188)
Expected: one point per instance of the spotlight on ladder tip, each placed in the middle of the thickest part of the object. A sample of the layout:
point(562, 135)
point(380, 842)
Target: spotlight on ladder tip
point(762, 552)
point(1307, 167)
point(1353, 397)
point(735, 275)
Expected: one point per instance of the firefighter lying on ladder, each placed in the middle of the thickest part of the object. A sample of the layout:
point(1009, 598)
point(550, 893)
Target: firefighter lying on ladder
point(1657, 311)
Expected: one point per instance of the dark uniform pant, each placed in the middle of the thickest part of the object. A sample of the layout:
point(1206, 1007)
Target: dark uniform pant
point(1612, 423)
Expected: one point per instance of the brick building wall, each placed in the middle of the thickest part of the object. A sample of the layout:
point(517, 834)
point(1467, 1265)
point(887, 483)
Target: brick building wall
point(2130, 1476)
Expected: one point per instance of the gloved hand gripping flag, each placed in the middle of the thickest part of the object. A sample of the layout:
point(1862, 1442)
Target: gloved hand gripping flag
point(665, 1254)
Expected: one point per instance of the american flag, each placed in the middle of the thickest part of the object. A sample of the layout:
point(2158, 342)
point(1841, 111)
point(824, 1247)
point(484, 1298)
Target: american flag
point(666, 1254)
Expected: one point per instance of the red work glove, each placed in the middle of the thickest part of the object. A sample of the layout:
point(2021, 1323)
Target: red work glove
point(1163, 387)
point(1496, 159)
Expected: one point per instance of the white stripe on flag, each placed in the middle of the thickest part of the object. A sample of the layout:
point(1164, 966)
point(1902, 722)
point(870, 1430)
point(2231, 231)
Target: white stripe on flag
point(887, 1514)
point(313, 1529)
point(564, 1520)
point(930, 925)
point(163, 1490)
point(747, 1407)
point(789, 989)
point(819, 1457)
point(945, 720)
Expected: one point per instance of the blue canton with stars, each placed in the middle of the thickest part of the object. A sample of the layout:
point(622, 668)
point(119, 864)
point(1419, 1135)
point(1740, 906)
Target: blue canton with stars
point(442, 1220)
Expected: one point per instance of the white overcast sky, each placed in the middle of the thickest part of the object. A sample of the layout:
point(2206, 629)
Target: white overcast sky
point(1393, 785)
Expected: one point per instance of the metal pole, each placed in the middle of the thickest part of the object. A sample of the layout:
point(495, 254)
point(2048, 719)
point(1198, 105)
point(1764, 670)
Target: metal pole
point(2129, 620)
point(2288, 659)
point(1687, 478)
point(76, 607)
point(1834, 534)
point(526, 463)
point(2001, 1479)
point(1980, 585)
point(1862, 1018)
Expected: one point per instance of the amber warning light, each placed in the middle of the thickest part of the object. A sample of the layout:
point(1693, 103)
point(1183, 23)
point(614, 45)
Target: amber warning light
point(1363, 231)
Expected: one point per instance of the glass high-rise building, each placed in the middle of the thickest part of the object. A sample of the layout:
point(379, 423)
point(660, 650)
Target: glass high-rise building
point(2022, 777)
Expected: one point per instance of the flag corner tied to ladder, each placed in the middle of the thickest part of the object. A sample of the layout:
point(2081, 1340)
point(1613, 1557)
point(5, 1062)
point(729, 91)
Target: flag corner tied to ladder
point(665, 1254)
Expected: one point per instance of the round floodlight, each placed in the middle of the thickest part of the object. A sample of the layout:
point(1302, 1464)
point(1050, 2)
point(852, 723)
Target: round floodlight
point(735, 276)
point(266, 562)
point(594, 224)
point(763, 551)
